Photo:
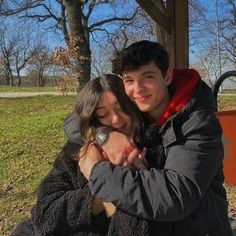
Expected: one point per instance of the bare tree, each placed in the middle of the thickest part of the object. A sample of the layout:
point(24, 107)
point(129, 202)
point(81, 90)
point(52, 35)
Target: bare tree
point(7, 47)
point(23, 52)
point(120, 39)
point(228, 31)
point(80, 15)
point(197, 19)
point(39, 63)
point(207, 64)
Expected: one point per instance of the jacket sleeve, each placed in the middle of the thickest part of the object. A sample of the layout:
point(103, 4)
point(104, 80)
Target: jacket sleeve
point(173, 192)
point(64, 199)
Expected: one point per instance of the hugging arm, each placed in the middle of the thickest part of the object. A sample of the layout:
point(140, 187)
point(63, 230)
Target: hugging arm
point(64, 200)
point(173, 192)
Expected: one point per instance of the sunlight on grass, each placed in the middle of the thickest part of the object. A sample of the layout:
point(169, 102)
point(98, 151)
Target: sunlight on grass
point(226, 102)
point(31, 137)
point(4, 88)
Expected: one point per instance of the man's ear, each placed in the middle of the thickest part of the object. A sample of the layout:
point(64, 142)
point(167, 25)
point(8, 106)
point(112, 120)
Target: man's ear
point(169, 76)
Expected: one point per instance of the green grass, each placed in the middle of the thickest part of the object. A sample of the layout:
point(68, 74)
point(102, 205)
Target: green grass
point(4, 88)
point(229, 91)
point(31, 137)
point(226, 102)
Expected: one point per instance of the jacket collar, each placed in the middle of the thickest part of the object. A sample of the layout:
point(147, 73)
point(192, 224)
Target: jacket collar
point(181, 91)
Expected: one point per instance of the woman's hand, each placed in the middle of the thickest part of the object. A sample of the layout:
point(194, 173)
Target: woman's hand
point(137, 160)
point(89, 159)
point(110, 208)
point(118, 147)
point(97, 206)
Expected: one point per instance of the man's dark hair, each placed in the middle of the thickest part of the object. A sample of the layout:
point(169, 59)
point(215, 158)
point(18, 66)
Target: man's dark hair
point(139, 54)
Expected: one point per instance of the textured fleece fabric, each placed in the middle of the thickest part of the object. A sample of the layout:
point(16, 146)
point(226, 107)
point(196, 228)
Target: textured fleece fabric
point(64, 207)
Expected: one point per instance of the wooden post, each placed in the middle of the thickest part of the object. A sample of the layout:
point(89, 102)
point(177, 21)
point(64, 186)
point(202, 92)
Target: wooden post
point(178, 43)
point(172, 19)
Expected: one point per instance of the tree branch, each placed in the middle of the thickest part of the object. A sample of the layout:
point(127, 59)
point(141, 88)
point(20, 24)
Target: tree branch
point(91, 7)
point(91, 27)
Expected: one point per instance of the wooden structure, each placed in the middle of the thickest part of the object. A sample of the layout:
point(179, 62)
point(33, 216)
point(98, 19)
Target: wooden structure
point(172, 24)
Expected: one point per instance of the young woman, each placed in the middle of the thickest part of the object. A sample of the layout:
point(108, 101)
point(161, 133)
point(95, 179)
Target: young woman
point(65, 205)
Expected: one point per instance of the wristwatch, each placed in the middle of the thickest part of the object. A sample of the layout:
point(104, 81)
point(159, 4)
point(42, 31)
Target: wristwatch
point(102, 135)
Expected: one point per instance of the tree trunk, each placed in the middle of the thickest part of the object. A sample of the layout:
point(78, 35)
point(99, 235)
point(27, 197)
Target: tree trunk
point(7, 78)
point(80, 41)
point(41, 81)
point(11, 78)
point(19, 79)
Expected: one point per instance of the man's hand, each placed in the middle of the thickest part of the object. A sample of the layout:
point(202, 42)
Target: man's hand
point(140, 162)
point(89, 159)
point(119, 149)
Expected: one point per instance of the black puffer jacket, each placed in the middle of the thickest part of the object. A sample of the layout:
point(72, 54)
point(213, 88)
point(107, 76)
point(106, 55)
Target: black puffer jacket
point(185, 185)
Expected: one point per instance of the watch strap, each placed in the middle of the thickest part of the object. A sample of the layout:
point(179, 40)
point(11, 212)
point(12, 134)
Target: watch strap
point(102, 135)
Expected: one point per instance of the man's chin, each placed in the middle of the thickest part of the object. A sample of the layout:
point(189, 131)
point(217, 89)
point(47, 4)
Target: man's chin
point(143, 108)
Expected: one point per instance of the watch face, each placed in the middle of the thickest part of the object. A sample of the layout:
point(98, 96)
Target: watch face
point(101, 137)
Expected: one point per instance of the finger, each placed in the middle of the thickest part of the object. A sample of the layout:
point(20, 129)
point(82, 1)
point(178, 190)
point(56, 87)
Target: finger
point(145, 162)
point(121, 160)
point(139, 164)
point(142, 154)
point(105, 156)
point(125, 163)
point(131, 157)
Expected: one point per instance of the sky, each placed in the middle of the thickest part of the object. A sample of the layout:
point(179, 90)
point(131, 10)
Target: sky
point(54, 38)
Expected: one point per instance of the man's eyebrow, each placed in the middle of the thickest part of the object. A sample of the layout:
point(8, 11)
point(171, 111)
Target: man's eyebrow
point(142, 74)
point(148, 72)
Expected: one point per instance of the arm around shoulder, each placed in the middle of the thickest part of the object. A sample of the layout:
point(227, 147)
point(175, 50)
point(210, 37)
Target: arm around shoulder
point(174, 191)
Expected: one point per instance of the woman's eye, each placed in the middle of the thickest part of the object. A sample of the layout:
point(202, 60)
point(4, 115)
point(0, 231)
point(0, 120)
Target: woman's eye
point(102, 116)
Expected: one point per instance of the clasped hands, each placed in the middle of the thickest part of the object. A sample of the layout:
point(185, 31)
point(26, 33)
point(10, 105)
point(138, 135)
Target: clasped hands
point(119, 150)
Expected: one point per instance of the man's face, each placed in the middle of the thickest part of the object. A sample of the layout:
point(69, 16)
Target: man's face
point(147, 88)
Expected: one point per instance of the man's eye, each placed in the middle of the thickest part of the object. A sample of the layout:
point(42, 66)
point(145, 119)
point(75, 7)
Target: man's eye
point(129, 81)
point(148, 77)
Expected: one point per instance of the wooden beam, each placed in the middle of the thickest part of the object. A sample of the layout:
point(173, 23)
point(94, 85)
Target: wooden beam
point(178, 39)
point(181, 34)
point(173, 18)
point(155, 13)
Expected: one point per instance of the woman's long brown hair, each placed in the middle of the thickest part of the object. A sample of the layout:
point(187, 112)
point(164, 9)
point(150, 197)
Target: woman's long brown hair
point(87, 102)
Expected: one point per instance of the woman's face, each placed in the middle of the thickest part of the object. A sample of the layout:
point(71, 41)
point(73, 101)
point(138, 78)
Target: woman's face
point(109, 113)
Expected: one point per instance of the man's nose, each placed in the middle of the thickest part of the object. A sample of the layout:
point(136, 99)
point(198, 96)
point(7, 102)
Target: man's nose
point(139, 86)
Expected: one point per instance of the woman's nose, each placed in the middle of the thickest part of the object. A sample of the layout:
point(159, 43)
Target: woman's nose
point(116, 118)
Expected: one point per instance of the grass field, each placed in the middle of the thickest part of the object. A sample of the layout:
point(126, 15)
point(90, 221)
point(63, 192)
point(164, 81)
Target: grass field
point(4, 88)
point(31, 136)
point(226, 102)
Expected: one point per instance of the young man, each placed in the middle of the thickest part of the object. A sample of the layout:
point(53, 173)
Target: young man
point(186, 186)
